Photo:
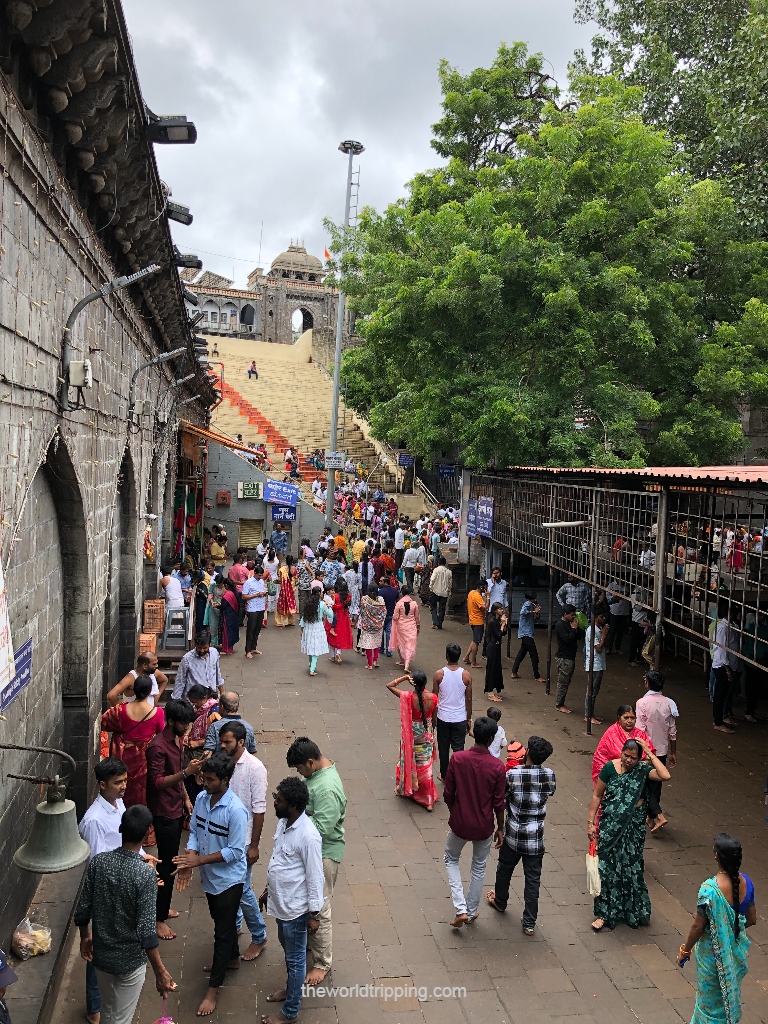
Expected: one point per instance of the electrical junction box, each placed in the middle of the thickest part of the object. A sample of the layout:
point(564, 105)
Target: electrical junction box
point(223, 497)
point(80, 373)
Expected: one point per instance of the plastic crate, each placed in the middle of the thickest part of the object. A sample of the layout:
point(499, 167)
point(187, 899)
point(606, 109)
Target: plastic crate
point(154, 616)
point(148, 642)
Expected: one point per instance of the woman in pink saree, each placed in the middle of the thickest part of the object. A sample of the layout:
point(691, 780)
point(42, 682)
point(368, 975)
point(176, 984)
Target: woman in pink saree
point(615, 736)
point(413, 775)
point(405, 628)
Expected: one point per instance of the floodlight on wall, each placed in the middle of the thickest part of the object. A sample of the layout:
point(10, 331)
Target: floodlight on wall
point(195, 320)
point(134, 416)
point(66, 348)
point(54, 843)
point(186, 259)
point(173, 129)
point(177, 212)
point(191, 297)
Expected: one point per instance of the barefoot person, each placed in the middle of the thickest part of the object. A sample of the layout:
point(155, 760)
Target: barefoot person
point(249, 782)
point(477, 608)
point(452, 712)
point(657, 717)
point(216, 845)
point(326, 809)
point(294, 891)
point(568, 634)
point(474, 795)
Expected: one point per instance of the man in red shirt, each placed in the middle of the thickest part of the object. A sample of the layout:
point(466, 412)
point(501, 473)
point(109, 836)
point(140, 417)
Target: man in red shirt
point(474, 794)
point(239, 573)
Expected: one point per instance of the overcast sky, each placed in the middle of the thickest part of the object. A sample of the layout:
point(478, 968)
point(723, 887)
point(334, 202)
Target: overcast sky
point(273, 88)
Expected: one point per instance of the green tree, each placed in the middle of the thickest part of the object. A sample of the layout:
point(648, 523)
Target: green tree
point(570, 301)
point(703, 69)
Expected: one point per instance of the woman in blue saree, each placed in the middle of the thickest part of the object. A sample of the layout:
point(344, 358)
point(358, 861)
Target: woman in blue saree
point(620, 795)
point(725, 908)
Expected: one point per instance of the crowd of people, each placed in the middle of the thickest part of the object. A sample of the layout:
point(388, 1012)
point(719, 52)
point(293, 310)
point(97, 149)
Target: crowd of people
point(185, 777)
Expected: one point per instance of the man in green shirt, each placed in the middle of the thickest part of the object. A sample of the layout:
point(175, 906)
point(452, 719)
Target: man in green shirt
point(327, 808)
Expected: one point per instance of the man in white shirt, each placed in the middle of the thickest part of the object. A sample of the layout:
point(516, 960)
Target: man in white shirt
point(146, 665)
point(255, 598)
point(317, 485)
point(647, 557)
point(724, 663)
point(597, 646)
point(249, 782)
point(409, 560)
point(262, 550)
point(294, 890)
point(100, 828)
point(440, 585)
point(656, 716)
point(399, 545)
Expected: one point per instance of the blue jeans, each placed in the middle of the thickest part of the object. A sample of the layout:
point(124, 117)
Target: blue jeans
point(92, 994)
point(386, 635)
point(249, 909)
point(293, 939)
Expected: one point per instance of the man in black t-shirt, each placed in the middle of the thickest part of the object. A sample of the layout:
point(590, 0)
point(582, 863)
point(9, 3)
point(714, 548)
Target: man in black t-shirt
point(568, 636)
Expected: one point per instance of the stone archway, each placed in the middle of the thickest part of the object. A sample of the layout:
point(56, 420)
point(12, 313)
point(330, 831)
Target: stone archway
point(302, 320)
point(247, 315)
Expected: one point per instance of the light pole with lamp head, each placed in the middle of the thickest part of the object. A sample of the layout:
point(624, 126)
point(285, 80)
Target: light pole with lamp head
point(352, 149)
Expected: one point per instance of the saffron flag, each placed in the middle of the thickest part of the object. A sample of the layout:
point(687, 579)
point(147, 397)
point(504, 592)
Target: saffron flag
point(327, 254)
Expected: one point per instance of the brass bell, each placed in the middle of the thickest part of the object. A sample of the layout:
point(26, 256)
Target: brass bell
point(54, 843)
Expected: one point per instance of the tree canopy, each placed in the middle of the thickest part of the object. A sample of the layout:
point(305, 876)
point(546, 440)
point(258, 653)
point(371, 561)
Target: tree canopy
point(560, 292)
point(703, 69)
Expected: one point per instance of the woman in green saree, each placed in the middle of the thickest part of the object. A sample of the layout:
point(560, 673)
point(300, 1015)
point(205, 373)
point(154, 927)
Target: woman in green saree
point(620, 795)
point(725, 908)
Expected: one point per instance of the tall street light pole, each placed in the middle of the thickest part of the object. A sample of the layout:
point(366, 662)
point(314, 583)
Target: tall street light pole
point(352, 149)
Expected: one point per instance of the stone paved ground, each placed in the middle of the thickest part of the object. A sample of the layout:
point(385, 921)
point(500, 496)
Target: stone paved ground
point(392, 903)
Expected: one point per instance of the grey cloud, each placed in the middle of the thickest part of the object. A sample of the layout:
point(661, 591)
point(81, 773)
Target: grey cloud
point(274, 88)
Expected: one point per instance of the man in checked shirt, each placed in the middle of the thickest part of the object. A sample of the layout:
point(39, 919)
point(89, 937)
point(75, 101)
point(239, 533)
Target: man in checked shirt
point(528, 788)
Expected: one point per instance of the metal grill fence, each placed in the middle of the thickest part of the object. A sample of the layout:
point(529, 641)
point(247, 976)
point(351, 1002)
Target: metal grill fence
point(680, 552)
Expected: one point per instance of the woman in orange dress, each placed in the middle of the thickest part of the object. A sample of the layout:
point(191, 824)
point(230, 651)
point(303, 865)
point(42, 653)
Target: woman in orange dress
point(132, 726)
point(287, 577)
point(413, 775)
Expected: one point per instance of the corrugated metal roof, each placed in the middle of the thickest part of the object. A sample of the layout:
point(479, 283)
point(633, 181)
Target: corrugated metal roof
point(718, 474)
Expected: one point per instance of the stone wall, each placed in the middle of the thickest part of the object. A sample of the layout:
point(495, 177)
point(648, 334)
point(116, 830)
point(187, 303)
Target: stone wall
point(72, 484)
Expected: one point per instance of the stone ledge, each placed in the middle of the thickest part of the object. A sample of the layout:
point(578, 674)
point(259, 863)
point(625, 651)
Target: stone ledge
point(33, 998)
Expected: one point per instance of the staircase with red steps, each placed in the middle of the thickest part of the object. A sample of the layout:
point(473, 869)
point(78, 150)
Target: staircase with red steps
point(274, 438)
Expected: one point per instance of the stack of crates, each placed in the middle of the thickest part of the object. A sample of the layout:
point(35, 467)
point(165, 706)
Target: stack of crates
point(154, 623)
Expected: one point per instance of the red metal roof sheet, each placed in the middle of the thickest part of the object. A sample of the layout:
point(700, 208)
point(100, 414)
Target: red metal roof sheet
point(724, 474)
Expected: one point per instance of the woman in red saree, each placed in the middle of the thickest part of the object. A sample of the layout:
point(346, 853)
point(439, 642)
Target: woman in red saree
point(132, 726)
point(615, 736)
point(413, 775)
point(287, 577)
point(340, 635)
point(736, 555)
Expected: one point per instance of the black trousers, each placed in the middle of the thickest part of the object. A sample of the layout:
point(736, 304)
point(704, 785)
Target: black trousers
point(636, 638)
point(241, 610)
point(654, 794)
point(508, 861)
point(223, 909)
point(754, 688)
point(168, 836)
point(722, 688)
point(616, 632)
point(437, 608)
point(527, 646)
point(451, 736)
point(255, 620)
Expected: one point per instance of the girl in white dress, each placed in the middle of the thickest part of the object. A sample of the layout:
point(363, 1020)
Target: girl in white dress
point(314, 641)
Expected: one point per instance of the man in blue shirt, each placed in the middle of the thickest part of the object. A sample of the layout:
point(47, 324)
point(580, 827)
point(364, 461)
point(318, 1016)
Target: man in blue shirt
point(390, 594)
point(216, 844)
point(526, 635)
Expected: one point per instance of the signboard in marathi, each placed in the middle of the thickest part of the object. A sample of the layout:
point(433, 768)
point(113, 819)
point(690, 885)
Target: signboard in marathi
point(471, 518)
point(23, 666)
point(283, 514)
point(405, 459)
point(248, 489)
point(485, 517)
point(335, 460)
point(279, 493)
point(446, 472)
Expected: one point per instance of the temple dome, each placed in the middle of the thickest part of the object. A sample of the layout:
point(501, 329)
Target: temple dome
point(296, 259)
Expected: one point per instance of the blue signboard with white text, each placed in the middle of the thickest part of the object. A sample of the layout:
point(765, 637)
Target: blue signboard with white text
point(471, 518)
point(485, 517)
point(405, 459)
point(23, 664)
point(445, 471)
point(279, 493)
point(283, 514)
